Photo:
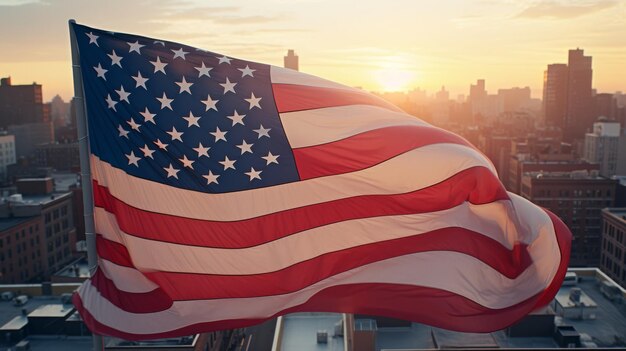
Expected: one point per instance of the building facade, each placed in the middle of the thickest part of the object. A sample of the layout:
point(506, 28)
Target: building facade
point(578, 199)
point(606, 147)
point(7, 154)
point(613, 258)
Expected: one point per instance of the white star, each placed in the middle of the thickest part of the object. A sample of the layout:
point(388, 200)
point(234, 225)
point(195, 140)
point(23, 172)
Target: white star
point(179, 53)
point(228, 163)
point(203, 70)
point(123, 132)
point(246, 71)
point(93, 39)
point(263, 131)
point(253, 101)
point(140, 81)
point(176, 135)
point(171, 171)
point(160, 144)
point(132, 159)
point(192, 120)
point(165, 102)
point(159, 42)
point(228, 86)
point(184, 86)
point(224, 59)
point(254, 174)
point(147, 152)
point(245, 147)
point(201, 150)
point(134, 125)
point(186, 162)
point(236, 118)
point(101, 71)
point(136, 47)
point(123, 94)
point(211, 178)
point(115, 60)
point(218, 134)
point(111, 102)
point(270, 158)
point(147, 116)
point(158, 65)
point(210, 103)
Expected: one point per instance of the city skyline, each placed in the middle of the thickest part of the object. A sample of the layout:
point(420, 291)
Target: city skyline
point(372, 46)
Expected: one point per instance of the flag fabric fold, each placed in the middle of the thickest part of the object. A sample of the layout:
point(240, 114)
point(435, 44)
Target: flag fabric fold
point(228, 192)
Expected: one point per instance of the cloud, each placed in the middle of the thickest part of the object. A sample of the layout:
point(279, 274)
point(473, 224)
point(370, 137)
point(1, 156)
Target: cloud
point(4, 3)
point(564, 10)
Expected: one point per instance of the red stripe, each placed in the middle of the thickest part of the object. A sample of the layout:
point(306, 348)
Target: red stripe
point(152, 301)
point(426, 305)
point(189, 286)
point(290, 97)
point(476, 185)
point(114, 252)
point(368, 149)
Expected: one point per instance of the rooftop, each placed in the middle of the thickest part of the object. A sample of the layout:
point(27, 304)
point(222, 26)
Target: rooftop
point(300, 332)
point(8, 223)
point(607, 329)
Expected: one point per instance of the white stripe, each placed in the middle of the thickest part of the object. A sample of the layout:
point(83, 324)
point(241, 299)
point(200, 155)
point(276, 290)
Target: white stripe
point(490, 220)
point(325, 125)
point(281, 75)
point(125, 278)
point(413, 170)
point(461, 274)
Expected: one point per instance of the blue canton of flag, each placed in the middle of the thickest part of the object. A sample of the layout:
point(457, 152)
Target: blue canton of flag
point(182, 116)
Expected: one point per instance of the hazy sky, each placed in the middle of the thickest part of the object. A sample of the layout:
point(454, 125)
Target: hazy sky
point(378, 45)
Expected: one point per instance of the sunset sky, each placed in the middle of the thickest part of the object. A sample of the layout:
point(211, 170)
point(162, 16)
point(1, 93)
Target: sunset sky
point(378, 45)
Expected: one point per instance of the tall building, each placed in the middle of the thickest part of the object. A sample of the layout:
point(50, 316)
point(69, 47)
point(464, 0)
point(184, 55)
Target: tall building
point(36, 231)
point(606, 147)
point(579, 116)
point(20, 104)
point(291, 60)
point(555, 95)
point(578, 199)
point(613, 261)
point(7, 154)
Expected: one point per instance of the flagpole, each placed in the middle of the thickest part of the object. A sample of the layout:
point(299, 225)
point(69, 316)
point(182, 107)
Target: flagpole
point(85, 171)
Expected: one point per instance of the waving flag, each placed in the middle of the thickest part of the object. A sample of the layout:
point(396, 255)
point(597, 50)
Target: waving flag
point(228, 192)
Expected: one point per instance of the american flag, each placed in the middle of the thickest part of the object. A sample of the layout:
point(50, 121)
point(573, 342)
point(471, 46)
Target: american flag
point(228, 192)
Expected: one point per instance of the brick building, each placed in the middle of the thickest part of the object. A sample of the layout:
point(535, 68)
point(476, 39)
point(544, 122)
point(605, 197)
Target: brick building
point(37, 234)
point(613, 258)
point(578, 199)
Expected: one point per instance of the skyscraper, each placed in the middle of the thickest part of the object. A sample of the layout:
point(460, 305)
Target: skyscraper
point(555, 95)
point(579, 116)
point(291, 60)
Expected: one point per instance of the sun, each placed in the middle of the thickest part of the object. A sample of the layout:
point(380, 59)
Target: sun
point(394, 75)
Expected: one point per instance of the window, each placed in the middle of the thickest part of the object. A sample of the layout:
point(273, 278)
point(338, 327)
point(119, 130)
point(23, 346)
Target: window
point(55, 214)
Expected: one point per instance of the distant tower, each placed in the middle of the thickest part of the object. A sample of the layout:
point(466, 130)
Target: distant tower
point(555, 95)
point(291, 60)
point(579, 116)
